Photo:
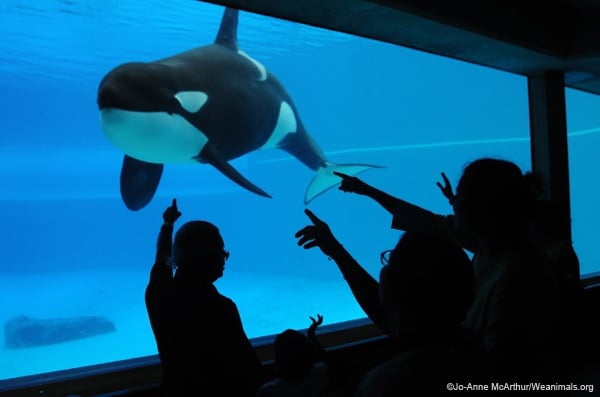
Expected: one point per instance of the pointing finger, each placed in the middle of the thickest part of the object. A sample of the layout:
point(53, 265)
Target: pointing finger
point(341, 174)
point(313, 218)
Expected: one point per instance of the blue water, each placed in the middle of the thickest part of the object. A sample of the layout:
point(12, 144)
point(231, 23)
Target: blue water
point(70, 247)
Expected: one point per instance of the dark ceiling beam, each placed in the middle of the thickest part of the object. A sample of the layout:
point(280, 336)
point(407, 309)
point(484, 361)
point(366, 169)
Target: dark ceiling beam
point(525, 24)
point(517, 36)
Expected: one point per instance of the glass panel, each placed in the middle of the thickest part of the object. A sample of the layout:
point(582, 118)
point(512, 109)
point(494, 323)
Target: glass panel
point(70, 246)
point(583, 121)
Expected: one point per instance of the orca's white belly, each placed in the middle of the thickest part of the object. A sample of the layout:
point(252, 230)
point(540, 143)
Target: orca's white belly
point(154, 137)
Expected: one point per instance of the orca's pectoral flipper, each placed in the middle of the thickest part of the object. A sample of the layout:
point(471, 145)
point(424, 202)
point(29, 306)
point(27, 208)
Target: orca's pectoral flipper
point(325, 178)
point(209, 154)
point(139, 181)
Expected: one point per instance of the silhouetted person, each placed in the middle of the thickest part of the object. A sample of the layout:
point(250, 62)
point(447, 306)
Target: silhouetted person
point(423, 294)
point(550, 233)
point(515, 321)
point(549, 230)
point(201, 342)
point(300, 364)
point(546, 231)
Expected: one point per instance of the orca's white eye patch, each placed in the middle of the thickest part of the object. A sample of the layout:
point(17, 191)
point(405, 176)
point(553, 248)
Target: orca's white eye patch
point(192, 101)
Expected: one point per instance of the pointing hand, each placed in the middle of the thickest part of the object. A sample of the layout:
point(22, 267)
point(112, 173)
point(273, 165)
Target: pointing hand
point(171, 214)
point(351, 184)
point(317, 235)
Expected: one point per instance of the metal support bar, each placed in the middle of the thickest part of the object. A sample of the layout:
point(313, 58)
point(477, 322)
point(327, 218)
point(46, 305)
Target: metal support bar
point(548, 128)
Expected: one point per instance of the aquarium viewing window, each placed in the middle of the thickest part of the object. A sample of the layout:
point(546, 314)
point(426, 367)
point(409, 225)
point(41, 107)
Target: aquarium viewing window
point(75, 256)
point(583, 122)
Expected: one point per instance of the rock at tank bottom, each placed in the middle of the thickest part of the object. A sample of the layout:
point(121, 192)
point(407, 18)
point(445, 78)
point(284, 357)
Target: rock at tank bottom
point(22, 331)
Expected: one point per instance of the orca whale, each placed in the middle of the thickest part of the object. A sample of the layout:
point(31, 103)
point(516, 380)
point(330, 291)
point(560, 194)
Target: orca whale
point(207, 105)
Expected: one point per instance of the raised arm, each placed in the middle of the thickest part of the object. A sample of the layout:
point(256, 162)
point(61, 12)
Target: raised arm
point(352, 184)
point(406, 216)
point(165, 236)
point(161, 276)
point(363, 286)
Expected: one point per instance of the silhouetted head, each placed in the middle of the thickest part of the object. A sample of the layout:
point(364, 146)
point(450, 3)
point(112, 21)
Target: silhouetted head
point(495, 200)
point(294, 354)
point(199, 249)
point(427, 287)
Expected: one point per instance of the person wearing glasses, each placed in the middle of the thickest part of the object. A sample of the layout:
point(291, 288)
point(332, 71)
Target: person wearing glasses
point(425, 288)
point(201, 342)
point(525, 269)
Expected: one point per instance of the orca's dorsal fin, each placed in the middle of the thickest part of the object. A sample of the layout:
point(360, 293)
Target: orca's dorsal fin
point(227, 35)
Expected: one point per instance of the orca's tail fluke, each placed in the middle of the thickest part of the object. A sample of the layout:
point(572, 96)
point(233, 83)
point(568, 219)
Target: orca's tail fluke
point(325, 179)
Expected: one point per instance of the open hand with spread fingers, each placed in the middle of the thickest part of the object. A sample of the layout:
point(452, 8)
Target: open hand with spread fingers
point(446, 188)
